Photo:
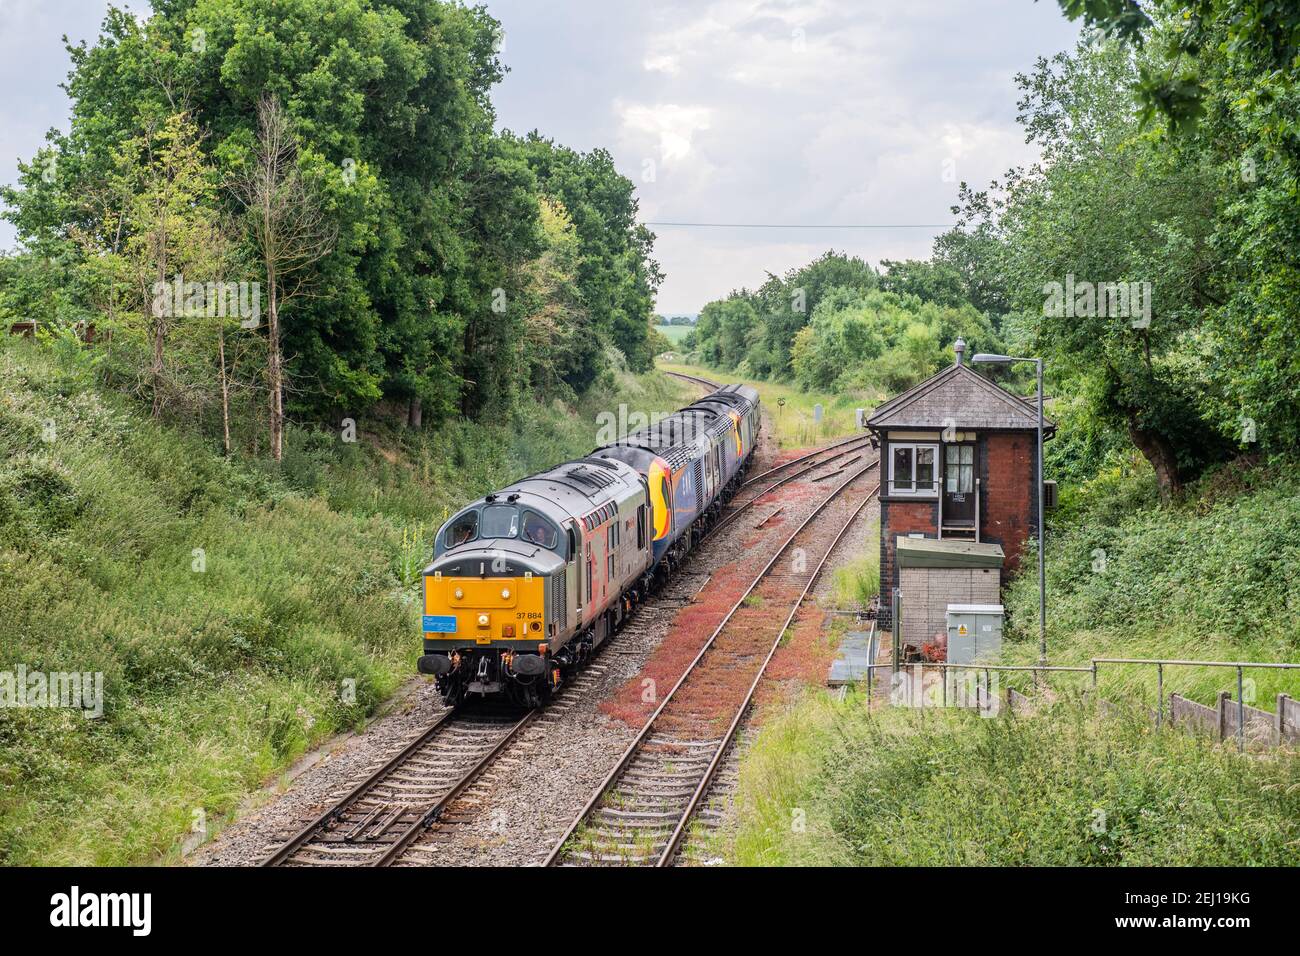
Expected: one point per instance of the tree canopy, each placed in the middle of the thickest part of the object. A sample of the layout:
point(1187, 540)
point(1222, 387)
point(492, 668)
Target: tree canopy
point(428, 294)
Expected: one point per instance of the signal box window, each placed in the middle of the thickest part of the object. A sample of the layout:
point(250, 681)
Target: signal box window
point(912, 470)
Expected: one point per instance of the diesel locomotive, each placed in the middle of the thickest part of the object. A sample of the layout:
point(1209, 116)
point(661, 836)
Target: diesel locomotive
point(527, 582)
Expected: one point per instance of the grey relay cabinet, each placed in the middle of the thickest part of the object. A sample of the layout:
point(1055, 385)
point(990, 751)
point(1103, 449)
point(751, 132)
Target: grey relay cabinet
point(974, 633)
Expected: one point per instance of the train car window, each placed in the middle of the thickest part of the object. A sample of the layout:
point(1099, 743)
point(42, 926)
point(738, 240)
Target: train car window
point(573, 544)
point(537, 530)
point(500, 521)
point(640, 527)
point(462, 529)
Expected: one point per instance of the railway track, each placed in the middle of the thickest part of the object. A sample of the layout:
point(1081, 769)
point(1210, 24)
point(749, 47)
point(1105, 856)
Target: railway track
point(379, 818)
point(642, 811)
point(694, 379)
point(384, 817)
point(752, 489)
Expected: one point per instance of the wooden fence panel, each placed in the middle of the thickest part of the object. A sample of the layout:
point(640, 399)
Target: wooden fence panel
point(1260, 724)
point(1189, 715)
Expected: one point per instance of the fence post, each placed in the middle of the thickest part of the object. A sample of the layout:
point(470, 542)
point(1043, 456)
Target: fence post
point(1222, 708)
point(1160, 696)
point(1241, 715)
point(1280, 719)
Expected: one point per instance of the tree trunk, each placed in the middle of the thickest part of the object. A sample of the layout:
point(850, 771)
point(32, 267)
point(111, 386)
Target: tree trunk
point(415, 414)
point(1160, 453)
point(225, 391)
point(156, 367)
point(275, 374)
point(159, 322)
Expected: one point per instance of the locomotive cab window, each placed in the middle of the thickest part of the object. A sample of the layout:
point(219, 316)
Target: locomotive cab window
point(539, 531)
point(463, 529)
point(500, 521)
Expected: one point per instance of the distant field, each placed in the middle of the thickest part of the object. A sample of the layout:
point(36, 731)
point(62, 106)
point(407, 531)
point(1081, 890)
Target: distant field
point(674, 333)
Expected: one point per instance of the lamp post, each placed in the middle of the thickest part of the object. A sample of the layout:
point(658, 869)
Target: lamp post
point(985, 358)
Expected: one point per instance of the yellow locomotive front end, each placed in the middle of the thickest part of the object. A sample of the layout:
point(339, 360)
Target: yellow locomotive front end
point(485, 621)
point(505, 612)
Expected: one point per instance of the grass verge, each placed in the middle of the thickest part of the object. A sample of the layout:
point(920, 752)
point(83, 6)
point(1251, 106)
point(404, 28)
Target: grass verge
point(794, 422)
point(832, 783)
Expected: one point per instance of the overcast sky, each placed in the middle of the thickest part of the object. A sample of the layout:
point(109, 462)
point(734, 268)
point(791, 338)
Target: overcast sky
point(722, 111)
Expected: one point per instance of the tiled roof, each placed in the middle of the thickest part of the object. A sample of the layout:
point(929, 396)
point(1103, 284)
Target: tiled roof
point(957, 397)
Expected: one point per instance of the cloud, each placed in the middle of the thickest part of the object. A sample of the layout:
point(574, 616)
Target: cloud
point(671, 125)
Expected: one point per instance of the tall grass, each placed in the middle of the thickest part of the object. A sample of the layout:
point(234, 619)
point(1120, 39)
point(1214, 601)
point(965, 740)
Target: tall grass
point(857, 581)
point(835, 783)
point(239, 613)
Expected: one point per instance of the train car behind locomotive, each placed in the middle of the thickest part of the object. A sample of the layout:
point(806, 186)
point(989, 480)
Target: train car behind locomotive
point(527, 582)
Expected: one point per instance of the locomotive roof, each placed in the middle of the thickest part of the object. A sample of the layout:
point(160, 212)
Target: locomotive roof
point(574, 488)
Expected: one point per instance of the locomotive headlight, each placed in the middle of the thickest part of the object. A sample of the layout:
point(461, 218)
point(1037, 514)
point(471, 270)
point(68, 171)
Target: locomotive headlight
point(459, 594)
point(482, 620)
point(505, 594)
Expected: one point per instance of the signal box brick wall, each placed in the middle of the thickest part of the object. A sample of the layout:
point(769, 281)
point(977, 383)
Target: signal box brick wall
point(900, 518)
point(1008, 498)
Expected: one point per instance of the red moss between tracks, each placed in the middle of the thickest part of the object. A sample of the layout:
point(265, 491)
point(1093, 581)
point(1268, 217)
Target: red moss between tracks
point(714, 701)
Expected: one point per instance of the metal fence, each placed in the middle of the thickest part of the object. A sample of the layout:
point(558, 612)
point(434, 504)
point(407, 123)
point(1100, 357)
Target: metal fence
point(1096, 663)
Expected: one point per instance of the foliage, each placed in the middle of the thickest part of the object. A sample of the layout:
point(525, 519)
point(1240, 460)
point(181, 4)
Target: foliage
point(758, 328)
point(839, 784)
point(1205, 579)
point(882, 340)
point(426, 296)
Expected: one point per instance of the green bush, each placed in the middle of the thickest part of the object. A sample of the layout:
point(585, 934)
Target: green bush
point(1209, 578)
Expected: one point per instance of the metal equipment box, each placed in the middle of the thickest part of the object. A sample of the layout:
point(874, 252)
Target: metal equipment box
point(974, 633)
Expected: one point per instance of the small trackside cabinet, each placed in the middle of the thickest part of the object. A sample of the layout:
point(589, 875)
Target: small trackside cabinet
point(974, 633)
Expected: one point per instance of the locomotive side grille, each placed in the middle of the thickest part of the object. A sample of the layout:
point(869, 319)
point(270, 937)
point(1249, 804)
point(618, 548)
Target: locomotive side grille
point(560, 599)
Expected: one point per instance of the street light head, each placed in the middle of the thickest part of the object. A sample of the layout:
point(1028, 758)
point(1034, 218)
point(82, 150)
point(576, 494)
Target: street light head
point(986, 358)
